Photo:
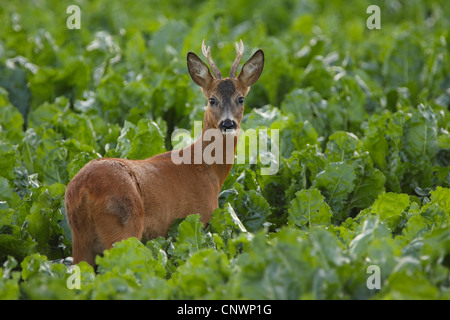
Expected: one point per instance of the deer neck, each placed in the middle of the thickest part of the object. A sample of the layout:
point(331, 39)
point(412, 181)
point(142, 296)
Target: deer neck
point(217, 151)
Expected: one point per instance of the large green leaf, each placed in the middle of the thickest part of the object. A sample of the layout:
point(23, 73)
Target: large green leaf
point(390, 207)
point(309, 208)
point(421, 135)
point(336, 182)
point(135, 259)
point(140, 141)
point(191, 238)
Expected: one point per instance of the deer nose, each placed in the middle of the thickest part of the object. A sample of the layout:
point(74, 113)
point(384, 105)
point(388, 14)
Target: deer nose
point(227, 124)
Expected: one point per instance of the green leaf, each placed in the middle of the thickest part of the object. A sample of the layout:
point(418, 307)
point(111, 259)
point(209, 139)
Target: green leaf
point(191, 238)
point(390, 207)
point(342, 146)
point(14, 241)
point(336, 182)
point(441, 197)
point(141, 141)
point(279, 269)
point(44, 279)
point(371, 229)
point(309, 208)
point(7, 160)
point(367, 189)
point(404, 62)
point(375, 141)
point(421, 135)
point(11, 121)
point(224, 219)
point(7, 193)
point(43, 115)
point(108, 95)
point(9, 283)
point(13, 78)
point(405, 286)
point(35, 264)
point(435, 254)
point(327, 248)
point(204, 275)
point(130, 257)
point(43, 221)
point(251, 208)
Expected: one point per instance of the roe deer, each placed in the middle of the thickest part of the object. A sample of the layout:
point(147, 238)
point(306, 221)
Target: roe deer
point(112, 199)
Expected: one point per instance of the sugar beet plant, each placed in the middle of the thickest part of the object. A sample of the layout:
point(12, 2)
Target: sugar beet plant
point(358, 208)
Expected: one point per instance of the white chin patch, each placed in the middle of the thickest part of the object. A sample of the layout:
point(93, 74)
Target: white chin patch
point(229, 131)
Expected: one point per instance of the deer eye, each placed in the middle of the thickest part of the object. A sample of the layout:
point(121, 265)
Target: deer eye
point(240, 100)
point(212, 101)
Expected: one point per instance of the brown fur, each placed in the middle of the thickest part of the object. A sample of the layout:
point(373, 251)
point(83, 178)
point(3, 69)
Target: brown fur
point(109, 200)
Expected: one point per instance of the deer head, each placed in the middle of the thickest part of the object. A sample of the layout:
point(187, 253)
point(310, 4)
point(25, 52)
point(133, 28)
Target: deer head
point(225, 96)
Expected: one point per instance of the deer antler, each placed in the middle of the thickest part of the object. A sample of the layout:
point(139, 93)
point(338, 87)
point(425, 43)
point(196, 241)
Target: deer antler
point(207, 54)
point(239, 53)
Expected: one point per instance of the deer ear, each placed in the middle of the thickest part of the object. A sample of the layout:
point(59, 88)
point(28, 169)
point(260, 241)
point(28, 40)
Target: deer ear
point(252, 69)
point(199, 71)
